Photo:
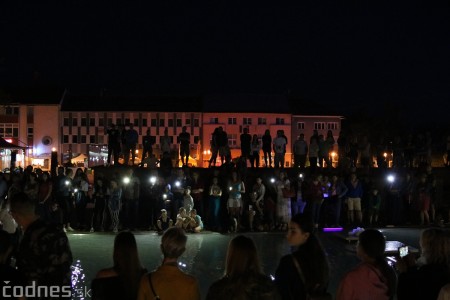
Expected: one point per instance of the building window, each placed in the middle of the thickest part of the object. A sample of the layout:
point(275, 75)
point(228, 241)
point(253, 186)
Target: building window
point(100, 122)
point(11, 110)
point(110, 121)
point(83, 122)
point(75, 139)
point(83, 139)
point(92, 139)
point(232, 121)
point(170, 123)
point(30, 132)
point(65, 139)
point(100, 139)
point(144, 122)
point(153, 122)
point(247, 121)
point(232, 139)
point(74, 122)
point(196, 139)
point(262, 121)
point(196, 123)
point(136, 122)
point(161, 122)
point(279, 121)
point(170, 138)
point(178, 122)
point(214, 121)
point(301, 125)
point(319, 125)
point(9, 130)
point(187, 121)
point(66, 122)
point(332, 126)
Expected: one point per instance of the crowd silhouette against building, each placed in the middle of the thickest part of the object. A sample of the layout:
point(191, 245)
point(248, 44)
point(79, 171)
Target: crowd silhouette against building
point(235, 195)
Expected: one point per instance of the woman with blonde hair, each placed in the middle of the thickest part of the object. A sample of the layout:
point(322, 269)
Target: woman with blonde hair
point(243, 276)
point(422, 279)
point(168, 281)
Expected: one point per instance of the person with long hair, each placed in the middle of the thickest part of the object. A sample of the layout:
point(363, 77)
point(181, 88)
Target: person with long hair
point(373, 278)
point(122, 280)
point(423, 279)
point(243, 278)
point(305, 272)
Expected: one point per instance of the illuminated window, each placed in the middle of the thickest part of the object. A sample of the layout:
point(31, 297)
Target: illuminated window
point(300, 125)
point(231, 121)
point(319, 125)
point(247, 121)
point(262, 121)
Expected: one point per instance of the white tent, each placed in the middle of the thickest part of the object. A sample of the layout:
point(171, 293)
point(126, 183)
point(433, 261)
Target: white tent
point(79, 159)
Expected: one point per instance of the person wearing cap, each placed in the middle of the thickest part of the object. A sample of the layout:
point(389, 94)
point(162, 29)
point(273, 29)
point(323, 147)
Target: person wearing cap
point(164, 222)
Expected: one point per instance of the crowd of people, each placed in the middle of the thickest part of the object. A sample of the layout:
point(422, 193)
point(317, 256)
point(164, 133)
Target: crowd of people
point(226, 199)
point(42, 258)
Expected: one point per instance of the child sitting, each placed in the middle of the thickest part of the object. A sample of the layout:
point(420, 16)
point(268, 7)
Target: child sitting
point(164, 222)
point(183, 218)
point(195, 224)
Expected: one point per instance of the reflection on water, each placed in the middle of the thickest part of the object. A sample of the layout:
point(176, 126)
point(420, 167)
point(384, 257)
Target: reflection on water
point(205, 255)
point(79, 285)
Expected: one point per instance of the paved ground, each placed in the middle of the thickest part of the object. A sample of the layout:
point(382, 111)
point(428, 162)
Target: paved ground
point(205, 253)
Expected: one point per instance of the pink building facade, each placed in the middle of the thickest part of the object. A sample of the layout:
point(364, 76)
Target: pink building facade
point(234, 123)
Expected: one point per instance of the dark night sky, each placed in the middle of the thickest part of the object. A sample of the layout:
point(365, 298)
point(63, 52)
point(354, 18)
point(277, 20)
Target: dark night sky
point(349, 53)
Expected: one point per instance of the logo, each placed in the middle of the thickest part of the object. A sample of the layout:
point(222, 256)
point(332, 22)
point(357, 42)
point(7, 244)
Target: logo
point(33, 290)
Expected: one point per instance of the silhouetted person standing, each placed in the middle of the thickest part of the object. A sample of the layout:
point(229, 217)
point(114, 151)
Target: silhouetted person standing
point(184, 139)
